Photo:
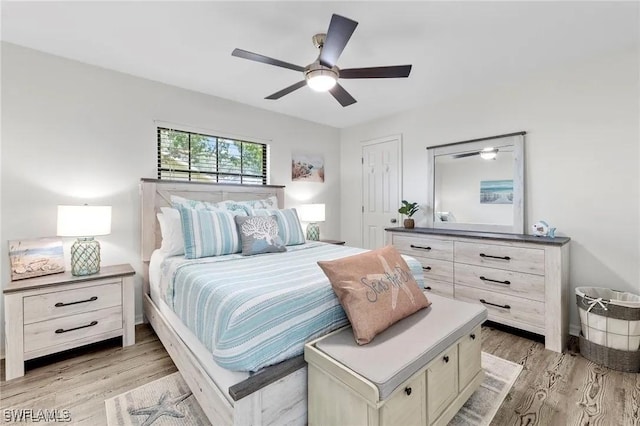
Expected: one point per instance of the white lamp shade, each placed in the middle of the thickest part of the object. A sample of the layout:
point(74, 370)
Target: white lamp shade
point(84, 221)
point(311, 212)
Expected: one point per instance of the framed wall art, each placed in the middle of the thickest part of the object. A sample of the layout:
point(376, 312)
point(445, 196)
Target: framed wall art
point(307, 167)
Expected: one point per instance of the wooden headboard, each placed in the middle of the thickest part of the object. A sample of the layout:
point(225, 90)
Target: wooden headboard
point(156, 193)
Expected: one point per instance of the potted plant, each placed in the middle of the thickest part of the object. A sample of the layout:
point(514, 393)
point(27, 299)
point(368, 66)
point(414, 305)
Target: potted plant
point(408, 209)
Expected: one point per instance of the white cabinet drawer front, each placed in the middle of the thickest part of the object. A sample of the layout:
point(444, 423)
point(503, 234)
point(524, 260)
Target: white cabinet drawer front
point(63, 330)
point(439, 288)
point(521, 259)
point(505, 308)
point(470, 359)
point(406, 407)
point(419, 246)
point(436, 270)
point(70, 302)
point(519, 284)
point(442, 382)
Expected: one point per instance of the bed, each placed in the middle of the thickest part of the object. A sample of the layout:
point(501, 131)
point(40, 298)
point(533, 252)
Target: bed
point(236, 388)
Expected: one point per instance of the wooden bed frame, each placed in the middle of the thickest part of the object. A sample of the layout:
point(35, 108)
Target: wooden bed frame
point(277, 394)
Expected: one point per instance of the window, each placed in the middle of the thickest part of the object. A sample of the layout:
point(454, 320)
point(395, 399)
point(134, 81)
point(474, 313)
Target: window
point(206, 158)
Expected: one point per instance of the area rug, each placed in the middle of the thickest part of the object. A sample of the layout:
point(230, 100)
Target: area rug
point(168, 401)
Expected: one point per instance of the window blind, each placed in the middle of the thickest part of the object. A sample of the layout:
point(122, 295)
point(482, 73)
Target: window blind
point(206, 158)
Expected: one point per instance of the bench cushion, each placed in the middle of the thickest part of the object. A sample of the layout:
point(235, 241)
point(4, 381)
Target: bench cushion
point(407, 346)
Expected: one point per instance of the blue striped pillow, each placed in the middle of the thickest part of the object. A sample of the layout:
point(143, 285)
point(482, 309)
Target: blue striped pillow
point(289, 228)
point(208, 233)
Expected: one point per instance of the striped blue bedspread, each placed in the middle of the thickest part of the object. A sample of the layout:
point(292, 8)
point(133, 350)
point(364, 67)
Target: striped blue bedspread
point(251, 312)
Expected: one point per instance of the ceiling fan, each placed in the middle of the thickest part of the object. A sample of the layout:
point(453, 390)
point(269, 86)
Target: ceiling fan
point(322, 75)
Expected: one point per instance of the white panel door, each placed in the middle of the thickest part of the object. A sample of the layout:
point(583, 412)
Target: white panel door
point(381, 185)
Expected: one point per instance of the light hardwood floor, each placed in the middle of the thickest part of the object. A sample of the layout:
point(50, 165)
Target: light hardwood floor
point(553, 389)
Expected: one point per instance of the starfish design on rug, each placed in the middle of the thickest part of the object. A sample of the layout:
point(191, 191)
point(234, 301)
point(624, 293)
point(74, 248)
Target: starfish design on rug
point(165, 407)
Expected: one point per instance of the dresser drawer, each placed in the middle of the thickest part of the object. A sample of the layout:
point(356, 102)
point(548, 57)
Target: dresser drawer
point(436, 270)
point(63, 330)
point(70, 302)
point(469, 358)
point(426, 247)
point(407, 406)
point(439, 288)
point(520, 259)
point(442, 383)
point(518, 284)
point(506, 309)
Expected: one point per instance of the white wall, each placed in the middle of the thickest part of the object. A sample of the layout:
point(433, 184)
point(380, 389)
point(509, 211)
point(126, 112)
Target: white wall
point(581, 159)
point(74, 133)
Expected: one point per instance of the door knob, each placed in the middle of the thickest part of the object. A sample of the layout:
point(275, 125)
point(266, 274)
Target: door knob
point(394, 220)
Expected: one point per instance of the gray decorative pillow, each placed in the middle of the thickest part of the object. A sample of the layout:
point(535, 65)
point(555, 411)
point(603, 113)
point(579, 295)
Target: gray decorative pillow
point(259, 234)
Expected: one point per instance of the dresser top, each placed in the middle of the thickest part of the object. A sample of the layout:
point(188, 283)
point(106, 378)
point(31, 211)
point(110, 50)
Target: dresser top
point(520, 238)
point(66, 278)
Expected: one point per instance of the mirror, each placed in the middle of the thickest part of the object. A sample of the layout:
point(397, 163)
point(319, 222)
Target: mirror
point(478, 185)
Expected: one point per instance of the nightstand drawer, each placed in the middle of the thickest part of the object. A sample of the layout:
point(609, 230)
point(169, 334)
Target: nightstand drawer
point(59, 331)
point(70, 302)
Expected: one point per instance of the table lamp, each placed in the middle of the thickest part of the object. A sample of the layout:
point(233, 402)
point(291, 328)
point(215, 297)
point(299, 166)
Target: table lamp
point(312, 213)
point(84, 222)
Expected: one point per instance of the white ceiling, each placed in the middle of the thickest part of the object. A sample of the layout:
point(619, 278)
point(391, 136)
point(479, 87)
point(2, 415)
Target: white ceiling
point(455, 47)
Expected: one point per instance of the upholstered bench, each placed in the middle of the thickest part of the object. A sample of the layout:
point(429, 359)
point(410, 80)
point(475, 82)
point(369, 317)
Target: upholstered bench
point(420, 371)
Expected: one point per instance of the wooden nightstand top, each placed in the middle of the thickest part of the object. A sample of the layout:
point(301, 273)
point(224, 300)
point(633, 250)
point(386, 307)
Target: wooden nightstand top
point(66, 278)
point(336, 242)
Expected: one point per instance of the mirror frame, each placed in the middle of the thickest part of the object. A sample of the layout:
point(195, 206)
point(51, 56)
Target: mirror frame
point(517, 226)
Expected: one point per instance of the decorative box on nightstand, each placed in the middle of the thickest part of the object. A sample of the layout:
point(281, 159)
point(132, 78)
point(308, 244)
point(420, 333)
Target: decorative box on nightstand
point(57, 312)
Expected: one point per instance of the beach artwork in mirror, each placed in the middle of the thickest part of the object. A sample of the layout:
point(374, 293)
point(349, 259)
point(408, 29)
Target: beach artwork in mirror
point(478, 184)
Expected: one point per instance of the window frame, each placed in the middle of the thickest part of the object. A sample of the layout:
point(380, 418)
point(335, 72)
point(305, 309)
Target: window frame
point(191, 174)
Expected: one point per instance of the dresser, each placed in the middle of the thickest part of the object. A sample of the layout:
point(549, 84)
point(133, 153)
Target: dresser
point(57, 312)
point(522, 280)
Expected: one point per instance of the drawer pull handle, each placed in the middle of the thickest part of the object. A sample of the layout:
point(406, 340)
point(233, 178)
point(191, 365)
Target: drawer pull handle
point(91, 324)
point(493, 304)
point(91, 299)
point(495, 257)
point(407, 390)
point(420, 247)
point(428, 288)
point(495, 281)
point(446, 358)
point(473, 336)
point(426, 268)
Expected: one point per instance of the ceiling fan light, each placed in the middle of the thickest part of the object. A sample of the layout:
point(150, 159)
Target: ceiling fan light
point(489, 153)
point(321, 80)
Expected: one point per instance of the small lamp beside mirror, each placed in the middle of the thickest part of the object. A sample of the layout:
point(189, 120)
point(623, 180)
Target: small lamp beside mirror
point(84, 222)
point(312, 213)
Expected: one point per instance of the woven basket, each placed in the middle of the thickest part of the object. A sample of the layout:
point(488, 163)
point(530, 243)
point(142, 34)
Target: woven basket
point(610, 323)
point(627, 361)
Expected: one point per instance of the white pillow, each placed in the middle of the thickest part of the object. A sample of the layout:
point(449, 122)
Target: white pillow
point(171, 230)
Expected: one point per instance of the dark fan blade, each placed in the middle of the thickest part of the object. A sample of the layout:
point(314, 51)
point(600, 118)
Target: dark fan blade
point(265, 59)
point(338, 34)
point(466, 154)
point(377, 72)
point(342, 95)
point(287, 90)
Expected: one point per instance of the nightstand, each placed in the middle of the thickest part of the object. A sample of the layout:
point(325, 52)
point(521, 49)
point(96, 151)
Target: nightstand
point(57, 312)
point(336, 242)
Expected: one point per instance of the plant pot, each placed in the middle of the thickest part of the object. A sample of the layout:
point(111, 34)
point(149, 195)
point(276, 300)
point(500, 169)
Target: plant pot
point(409, 223)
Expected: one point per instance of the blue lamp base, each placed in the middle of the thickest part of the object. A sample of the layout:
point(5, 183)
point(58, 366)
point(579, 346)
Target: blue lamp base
point(313, 232)
point(85, 257)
